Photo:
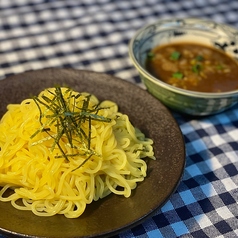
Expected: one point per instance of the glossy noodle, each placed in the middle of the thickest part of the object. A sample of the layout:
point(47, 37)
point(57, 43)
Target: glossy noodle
point(58, 161)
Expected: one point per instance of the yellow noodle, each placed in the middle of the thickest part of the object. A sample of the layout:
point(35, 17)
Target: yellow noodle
point(36, 176)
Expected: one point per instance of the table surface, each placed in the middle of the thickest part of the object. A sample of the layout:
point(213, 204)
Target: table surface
point(94, 35)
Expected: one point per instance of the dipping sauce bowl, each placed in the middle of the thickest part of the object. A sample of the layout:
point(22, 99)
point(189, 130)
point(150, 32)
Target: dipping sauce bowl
point(193, 30)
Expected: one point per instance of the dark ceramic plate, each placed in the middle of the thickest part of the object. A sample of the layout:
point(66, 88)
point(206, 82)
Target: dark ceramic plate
point(112, 214)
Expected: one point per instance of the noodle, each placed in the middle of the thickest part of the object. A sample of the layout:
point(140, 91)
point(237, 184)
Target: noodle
point(50, 169)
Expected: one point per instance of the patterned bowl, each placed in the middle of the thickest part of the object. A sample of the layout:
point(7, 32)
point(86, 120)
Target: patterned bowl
point(193, 30)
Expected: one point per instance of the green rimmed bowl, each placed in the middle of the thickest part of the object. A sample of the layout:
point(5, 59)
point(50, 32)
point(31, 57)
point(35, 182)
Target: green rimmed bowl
point(180, 30)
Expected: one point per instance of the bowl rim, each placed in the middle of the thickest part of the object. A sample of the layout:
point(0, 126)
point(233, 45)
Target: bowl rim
point(190, 93)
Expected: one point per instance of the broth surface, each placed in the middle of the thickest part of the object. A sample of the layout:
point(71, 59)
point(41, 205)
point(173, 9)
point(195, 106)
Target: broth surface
point(193, 67)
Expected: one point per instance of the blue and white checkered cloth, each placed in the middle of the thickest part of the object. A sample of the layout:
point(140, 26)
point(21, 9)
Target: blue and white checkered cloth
point(94, 35)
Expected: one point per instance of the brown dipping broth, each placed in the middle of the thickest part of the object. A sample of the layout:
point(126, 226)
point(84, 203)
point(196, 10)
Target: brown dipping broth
point(193, 67)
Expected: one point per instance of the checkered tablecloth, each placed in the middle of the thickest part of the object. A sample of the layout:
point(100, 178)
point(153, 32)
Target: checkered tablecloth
point(94, 35)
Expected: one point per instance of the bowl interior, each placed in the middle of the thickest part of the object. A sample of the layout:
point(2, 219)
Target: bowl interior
point(182, 30)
